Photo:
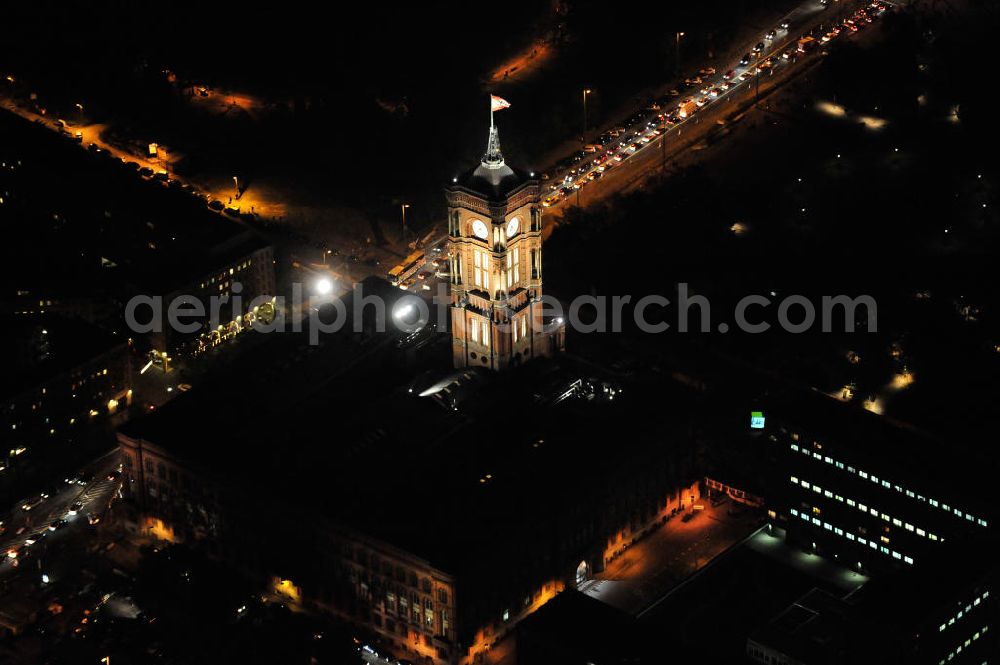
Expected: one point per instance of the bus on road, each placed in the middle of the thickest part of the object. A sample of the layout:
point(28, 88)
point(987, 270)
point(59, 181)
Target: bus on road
point(409, 267)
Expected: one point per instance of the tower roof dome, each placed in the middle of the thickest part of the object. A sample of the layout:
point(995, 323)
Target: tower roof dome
point(493, 178)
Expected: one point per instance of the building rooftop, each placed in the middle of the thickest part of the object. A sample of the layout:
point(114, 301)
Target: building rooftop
point(96, 227)
point(553, 634)
point(337, 427)
point(815, 629)
point(880, 620)
point(40, 348)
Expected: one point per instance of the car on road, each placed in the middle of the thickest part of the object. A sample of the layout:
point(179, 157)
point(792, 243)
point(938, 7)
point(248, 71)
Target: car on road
point(146, 172)
point(729, 75)
point(745, 60)
point(33, 503)
point(759, 47)
point(784, 25)
point(85, 478)
point(687, 517)
point(771, 34)
point(114, 475)
point(74, 508)
point(57, 524)
point(745, 75)
point(715, 92)
point(93, 519)
point(216, 205)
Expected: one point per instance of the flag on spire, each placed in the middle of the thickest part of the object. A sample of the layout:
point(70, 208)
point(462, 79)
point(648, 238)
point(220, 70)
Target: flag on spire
point(498, 103)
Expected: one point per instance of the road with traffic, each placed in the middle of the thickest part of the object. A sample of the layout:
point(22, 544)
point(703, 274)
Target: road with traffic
point(79, 502)
point(700, 104)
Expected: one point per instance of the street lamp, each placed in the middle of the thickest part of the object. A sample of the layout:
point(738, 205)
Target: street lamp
point(402, 209)
point(586, 91)
point(677, 53)
point(236, 183)
point(80, 107)
point(324, 286)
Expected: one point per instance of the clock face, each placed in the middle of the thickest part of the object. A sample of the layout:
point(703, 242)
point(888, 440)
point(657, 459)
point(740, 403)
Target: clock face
point(512, 227)
point(479, 228)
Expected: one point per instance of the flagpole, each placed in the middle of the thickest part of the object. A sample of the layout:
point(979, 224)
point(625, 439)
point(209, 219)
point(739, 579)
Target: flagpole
point(491, 111)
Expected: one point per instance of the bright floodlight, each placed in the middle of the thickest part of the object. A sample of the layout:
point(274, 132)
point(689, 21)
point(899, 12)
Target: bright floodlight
point(324, 286)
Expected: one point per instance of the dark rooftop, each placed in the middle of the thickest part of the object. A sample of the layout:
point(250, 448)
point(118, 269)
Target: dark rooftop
point(350, 440)
point(40, 348)
point(575, 629)
point(83, 223)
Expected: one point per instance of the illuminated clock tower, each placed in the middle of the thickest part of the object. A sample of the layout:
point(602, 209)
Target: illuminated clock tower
point(495, 248)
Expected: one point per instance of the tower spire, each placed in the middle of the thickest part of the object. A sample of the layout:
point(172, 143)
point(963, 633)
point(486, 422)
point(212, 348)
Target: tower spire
point(493, 159)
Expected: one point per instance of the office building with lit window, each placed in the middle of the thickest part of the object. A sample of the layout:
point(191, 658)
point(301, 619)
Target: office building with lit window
point(857, 485)
point(63, 375)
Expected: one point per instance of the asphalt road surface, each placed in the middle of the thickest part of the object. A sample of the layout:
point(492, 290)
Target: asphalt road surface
point(25, 531)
